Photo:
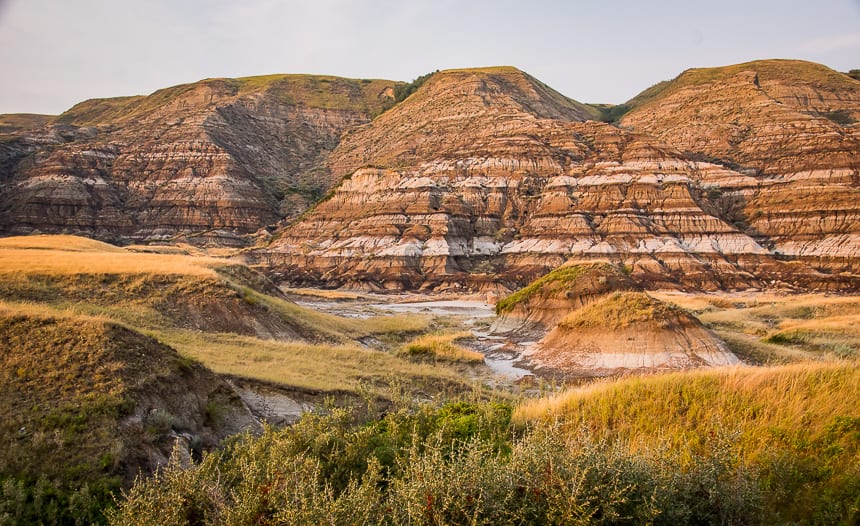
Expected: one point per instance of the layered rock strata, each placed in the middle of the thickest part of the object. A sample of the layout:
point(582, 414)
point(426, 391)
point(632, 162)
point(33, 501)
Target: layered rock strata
point(215, 160)
point(487, 175)
point(791, 128)
point(629, 332)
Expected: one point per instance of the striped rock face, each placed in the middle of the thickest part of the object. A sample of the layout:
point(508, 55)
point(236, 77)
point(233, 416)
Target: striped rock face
point(791, 127)
point(213, 161)
point(487, 175)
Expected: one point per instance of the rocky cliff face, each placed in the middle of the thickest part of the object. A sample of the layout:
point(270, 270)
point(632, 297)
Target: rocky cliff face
point(487, 176)
point(791, 129)
point(216, 160)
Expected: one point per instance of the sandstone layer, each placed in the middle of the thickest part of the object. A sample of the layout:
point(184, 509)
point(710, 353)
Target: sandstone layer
point(212, 161)
point(488, 176)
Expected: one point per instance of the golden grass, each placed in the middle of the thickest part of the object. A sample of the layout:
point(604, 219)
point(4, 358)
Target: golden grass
point(773, 328)
point(441, 346)
point(309, 366)
point(763, 404)
point(67, 255)
point(58, 262)
point(57, 242)
point(327, 294)
point(43, 311)
point(618, 311)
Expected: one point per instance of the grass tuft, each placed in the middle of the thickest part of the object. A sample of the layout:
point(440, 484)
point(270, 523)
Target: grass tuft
point(620, 310)
point(441, 347)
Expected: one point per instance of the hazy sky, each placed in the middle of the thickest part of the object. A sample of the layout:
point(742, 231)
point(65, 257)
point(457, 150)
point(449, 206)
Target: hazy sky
point(54, 53)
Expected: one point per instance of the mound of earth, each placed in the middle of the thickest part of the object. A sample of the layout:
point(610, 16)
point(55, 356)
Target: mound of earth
point(91, 404)
point(548, 299)
point(629, 331)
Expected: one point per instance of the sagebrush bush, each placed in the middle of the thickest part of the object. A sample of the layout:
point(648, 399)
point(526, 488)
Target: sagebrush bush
point(463, 463)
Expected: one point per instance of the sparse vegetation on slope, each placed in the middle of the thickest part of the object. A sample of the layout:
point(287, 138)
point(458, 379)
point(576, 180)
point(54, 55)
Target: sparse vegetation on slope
point(402, 91)
point(86, 404)
point(317, 91)
point(13, 122)
point(797, 70)
point(558, 280)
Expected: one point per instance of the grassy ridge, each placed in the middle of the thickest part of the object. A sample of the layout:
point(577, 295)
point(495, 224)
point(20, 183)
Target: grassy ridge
point(65, 383)
point(796, 70)
point(317, 91)
point(795, 404)
point(796, 427)
point(13, 122)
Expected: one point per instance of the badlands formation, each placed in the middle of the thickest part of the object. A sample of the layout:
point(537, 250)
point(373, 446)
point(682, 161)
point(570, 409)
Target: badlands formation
point(480, 180)
point(213, 161)
point(738, 177)
point(487, 178)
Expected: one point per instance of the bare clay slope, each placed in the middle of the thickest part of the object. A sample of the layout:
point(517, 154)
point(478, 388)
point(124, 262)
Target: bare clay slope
point(487, 176)
point(215, 160)
point(791, 128)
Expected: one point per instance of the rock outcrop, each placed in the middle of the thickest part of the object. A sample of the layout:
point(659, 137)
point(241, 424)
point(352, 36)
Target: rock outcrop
point(591, 319)
point(485, 176)
point(628, 332)
point(212, 161)
point(790, 128)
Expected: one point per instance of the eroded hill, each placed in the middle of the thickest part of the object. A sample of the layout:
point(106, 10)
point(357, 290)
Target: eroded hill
point(789, 128)
point(738, 177)
point(214, 161)
point(486, 178)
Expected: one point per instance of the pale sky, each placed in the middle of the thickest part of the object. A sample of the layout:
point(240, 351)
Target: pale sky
point(54, 53)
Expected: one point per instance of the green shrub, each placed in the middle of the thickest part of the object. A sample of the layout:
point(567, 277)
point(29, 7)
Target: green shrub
point(462, 463)
point(402, 91)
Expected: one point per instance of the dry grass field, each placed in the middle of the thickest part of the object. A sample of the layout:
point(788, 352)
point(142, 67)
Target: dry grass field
point(169, 295)
point(64, 255)
point(769, 328)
